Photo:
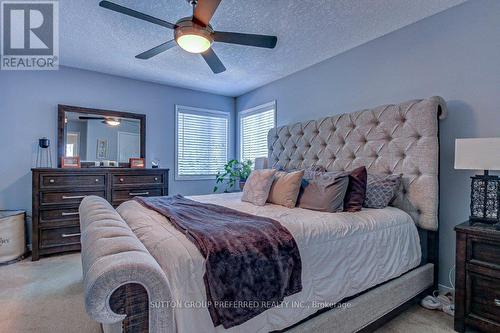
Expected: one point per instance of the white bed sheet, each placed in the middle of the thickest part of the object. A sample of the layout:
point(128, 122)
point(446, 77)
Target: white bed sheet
point(342, 254)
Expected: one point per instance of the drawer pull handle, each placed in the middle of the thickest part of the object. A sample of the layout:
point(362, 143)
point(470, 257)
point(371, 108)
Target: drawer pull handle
point(497, 302)
point(121, 179)
point(71, 235)
point(138, 193)
point(156, 178)
point(52, 181)
point(69, 213)
point(97, 180)
point(69, 197)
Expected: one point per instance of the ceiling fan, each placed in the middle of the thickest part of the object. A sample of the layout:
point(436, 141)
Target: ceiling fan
point(194, 34)
point(104, 120)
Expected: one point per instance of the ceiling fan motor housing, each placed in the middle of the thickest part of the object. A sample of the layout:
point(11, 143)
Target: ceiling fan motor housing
point(186, 26)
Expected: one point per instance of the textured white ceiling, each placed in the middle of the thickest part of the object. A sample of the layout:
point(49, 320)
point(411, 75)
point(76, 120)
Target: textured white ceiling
point(308, 31)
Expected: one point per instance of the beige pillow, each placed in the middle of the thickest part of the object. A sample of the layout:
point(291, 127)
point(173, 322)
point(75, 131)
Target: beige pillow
point(285, 188)
point(257, 186)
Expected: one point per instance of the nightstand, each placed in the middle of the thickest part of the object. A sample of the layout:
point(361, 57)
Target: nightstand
point(477, 279)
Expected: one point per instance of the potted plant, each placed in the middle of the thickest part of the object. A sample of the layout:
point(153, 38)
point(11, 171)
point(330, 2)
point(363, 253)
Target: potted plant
point(233, 171)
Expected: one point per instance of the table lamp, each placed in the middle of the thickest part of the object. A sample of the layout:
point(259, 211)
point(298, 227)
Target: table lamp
point(481, 154)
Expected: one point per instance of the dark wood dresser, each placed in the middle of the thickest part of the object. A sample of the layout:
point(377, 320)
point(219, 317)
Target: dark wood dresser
point(477, 279)
point(57, 194)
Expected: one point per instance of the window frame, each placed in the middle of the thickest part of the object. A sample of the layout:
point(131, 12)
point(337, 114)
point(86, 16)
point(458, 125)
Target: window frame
point(249, 112)
point(189, 109)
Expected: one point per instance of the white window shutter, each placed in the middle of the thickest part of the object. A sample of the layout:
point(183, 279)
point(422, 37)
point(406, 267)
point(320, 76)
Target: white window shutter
point(254, 126)
point(202, 142)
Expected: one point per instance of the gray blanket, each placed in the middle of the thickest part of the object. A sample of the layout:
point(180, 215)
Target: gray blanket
point(252, 262)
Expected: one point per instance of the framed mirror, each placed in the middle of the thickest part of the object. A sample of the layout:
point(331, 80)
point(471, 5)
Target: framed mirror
point(100, 138)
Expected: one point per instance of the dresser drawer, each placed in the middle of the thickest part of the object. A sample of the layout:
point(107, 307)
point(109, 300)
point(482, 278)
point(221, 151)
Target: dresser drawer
point(59, 237)
point(60, 216)
point(484, 296)
point(66, 197)
point(119, 196)
point(146, 179)
point(483, 251)
point(53, 181)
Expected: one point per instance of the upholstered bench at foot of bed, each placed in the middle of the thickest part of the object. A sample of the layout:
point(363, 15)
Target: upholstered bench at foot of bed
point(115, 262)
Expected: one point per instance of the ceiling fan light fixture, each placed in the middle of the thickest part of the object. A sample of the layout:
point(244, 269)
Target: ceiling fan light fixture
point(193, 37)
point(193, 43)
point(112, 122)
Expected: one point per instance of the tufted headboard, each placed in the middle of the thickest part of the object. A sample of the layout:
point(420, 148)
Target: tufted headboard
point(397, 138)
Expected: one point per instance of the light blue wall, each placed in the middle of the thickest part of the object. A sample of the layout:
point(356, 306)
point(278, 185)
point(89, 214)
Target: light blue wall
point(454, 54)
point(28, 111)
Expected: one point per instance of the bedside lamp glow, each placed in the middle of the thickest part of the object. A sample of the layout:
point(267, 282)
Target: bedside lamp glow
point(481, 154)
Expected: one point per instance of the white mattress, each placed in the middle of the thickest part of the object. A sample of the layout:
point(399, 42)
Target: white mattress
point(342, 254)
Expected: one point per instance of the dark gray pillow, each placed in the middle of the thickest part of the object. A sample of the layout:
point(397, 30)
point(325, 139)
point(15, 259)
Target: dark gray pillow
point(324, 191)
point(381, 190)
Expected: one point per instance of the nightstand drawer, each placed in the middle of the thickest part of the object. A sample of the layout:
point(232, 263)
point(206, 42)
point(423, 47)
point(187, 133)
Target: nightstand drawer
point(59, 237)
point(50, 181)
point(485, 296)
point(147, 179)
point(483, 251)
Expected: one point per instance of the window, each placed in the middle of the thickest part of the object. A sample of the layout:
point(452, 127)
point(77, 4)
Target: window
point(255, 123)
point(201, 142)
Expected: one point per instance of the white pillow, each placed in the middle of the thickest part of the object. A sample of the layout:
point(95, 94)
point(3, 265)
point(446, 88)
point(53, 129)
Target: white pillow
point(257, 186)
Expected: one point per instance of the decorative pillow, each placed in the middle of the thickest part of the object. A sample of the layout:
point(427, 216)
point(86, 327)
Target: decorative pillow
point(257, 186)
point(285, 188)
point(324, 192)
point(380, 190)
point(356, 190)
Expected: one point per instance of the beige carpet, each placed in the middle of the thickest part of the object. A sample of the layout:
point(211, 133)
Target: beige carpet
point(46, 297)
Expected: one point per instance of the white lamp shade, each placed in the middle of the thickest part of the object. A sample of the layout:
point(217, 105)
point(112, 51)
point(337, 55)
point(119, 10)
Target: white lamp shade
point(477, 154)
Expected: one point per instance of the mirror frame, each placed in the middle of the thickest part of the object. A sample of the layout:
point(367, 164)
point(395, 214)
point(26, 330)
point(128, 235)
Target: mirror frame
point(61, 116)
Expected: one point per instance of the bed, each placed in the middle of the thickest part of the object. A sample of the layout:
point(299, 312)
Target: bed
point(141, 274)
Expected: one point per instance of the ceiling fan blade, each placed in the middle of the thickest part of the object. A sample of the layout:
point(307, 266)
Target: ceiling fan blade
point(246, 39)
point(157, 50)
point(213, 61)
point(89, 118)
point(204, 10)
point(136, 14)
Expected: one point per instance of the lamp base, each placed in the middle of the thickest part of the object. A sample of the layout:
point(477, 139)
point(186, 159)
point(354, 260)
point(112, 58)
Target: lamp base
point(485, 199)
point(483, 220)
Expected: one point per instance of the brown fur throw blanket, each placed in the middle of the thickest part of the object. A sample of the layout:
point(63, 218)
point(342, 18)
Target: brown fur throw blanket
point(252, 262)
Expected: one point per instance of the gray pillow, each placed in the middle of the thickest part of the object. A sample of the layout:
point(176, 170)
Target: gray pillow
point(324, 191)
point(381, 190)
point(257, 186)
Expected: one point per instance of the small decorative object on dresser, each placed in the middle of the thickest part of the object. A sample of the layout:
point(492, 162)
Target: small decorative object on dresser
point(481, 154)
point(137, 163)
point(57, 194)
point(44, 153)
point(70, 162)
point(477, 279)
